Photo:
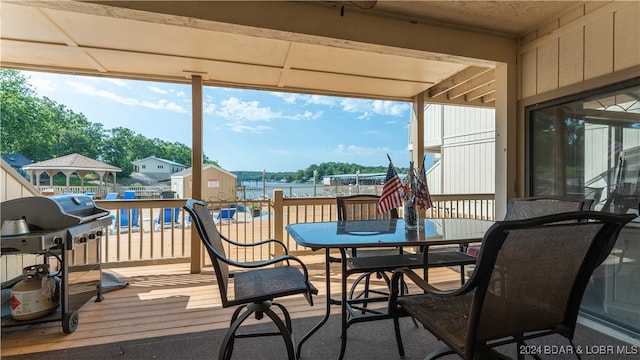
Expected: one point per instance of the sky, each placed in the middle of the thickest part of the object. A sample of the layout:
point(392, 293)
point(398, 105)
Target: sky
point(243, 129)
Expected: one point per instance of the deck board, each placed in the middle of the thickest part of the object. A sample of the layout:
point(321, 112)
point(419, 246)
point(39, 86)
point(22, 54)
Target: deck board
point(164, 300)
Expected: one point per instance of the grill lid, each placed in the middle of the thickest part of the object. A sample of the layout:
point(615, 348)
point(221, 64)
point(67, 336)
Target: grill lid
point(53, 212)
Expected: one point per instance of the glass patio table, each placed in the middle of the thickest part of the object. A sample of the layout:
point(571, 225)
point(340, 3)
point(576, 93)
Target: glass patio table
point(345, 235)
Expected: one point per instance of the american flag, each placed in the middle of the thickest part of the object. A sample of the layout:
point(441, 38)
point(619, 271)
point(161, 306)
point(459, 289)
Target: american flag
point(391, 195)
point(422, 191)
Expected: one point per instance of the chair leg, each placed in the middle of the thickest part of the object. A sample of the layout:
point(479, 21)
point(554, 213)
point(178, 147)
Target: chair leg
point(364, 293)
point(227, 343)
point(438, 353)
point(232, 340)
point(396, 329)
point(285, 328)
point(354, 286)
point(287, 317)
point(287, 336)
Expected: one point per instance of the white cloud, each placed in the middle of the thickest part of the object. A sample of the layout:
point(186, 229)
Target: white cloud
point(209, 108)
point(354, 105)
point(353, 150)
point(369, 108)
point(288, 98)
point(42, 84)
point(157, 90)
point(241, 111)
point(158, 105)
point(385, 107)
point(117, 82)
point(307, 115)
point(242, 128)
point(322, 100)
point(240, 114)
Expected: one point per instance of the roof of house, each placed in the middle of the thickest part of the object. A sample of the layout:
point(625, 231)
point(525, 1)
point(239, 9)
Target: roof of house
point(16, 159)
point(159, 159)
point(187, 172)
point(72, 162)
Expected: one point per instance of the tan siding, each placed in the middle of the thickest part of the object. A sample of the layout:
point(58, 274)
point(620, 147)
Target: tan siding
point(571, 57)
point(571, 16)
point(529, 73)
point(598, 47)
point(594, 40)
point(548, 66)
point(627, 37)
point(433, 126)
point(14, 186)
point(226, 189)
point(596, 138)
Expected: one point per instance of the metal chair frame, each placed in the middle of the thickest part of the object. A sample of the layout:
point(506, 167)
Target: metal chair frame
point(255, 288)
point(467, 319)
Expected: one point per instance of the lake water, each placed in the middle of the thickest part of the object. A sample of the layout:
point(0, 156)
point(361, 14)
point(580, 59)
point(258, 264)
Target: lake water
point(255, 190)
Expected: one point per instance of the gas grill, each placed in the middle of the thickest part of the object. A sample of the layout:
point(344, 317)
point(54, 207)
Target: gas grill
point(66, 230)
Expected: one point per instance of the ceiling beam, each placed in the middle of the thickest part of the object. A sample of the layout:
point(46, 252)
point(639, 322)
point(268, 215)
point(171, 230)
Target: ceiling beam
point(455, 80)
point(481, 91)
point(472, 84)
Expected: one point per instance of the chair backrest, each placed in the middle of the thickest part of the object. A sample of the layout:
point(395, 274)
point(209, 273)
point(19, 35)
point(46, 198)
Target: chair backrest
point(111, 196)
point(129, 195)
point(361, 207)
point(227, 213)
point(529, 207)
point(516, 292)
point(169, 217)
point(210, 237)
point(126, 221)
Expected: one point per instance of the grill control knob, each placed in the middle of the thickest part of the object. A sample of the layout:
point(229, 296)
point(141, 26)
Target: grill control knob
point(99, 233)
point(82, 239)
point(92, 236)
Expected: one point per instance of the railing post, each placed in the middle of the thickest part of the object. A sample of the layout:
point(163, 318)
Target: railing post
point(278, 221)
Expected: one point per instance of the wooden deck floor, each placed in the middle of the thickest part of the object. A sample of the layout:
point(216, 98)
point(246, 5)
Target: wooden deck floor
point(165, 300)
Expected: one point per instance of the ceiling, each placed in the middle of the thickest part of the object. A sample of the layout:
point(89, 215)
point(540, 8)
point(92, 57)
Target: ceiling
point(394, 51)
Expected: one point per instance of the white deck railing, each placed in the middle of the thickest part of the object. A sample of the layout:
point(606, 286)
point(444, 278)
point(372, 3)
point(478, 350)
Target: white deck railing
point(155, 241)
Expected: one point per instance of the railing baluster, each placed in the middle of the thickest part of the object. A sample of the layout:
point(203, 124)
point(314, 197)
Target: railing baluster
point(119, 250)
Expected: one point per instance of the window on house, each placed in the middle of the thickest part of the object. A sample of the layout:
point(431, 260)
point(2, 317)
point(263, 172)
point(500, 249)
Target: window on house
point(144, 166)
point(160, 166)
point(589, 146)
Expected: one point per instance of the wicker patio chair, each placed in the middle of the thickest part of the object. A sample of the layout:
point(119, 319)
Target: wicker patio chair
point(528, 282)
point(254, 289)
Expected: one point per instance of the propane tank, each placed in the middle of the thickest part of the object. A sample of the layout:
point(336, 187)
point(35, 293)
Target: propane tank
point(36, 295)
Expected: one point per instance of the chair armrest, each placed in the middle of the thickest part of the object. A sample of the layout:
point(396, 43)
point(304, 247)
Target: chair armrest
point(397, 276)
point(261, 242)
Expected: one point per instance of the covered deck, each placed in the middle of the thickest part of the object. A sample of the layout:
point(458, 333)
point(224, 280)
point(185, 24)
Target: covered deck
point(167, 300)
point(166, 313)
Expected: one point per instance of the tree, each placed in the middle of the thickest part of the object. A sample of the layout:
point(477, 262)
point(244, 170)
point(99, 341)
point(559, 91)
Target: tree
point(42, 129)
point(18, 105)
point(116, 150)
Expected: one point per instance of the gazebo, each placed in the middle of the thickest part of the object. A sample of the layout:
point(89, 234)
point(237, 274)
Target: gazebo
point(69, 164)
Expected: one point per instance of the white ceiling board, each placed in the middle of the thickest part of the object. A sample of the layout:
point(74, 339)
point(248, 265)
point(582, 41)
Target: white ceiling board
point(394, 51)
point(343, 83)
point(169, 39)
point(346, 61)
point(169, 66)
point(44, 55)
point(40, 29)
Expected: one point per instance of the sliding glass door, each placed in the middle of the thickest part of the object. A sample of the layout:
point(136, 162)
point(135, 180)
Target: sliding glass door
point(589, 146)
